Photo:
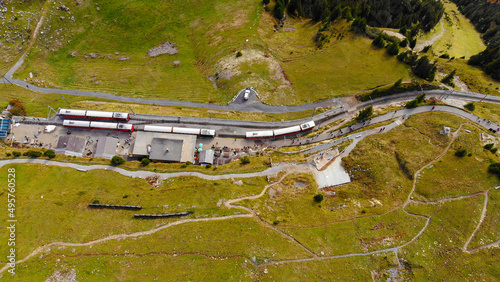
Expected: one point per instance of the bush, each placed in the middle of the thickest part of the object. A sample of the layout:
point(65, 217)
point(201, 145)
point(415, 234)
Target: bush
point(494, 168)
point(96, 202)
point(276, 222)
point(393, 49)
point(188, 163)
point(426, 48)
point(449, 78)
point(145, 162)
point(318, 198)
point(444, 56)
point(208, 166)
point(425, 69)
point(116, 161)
point(489, 146)
point(379, 41)
point(183, 166)
point(364, 114)
point(470, 106)
point(8, 154)
point(412, 104)
point(239, 54)
point(245, 160)
point(494, 150)
point(50, 153)
point(461, 153)
point(18, 108)
point(33, 154)
point(16, 154)
point(420, 98)
point(403, 43)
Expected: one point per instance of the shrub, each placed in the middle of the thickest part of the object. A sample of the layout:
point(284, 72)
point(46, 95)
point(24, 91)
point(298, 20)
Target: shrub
point(16, 154)
point(393, 49)
point(494, 150)
point(183, 166)
point(420, 98)
point(208, 166)
point(8, 154)
point(489, 146)
point(449, 78)
point(444, 56)
point(403, 43)
point(50, 153)
point(239, 54)
point(364, 114)
point(245, 160)
point(145, 162)
point(96, 202)
point(470, 106)
point(276, 222)
point(18, 108)
point(412, 104)
point(125, 196)
point(318, 198)
point(33, 154)
point(379, 41)
point(188, 163)
point(426, 48)
point(116, 161)
point(494, 168)
point(461, 153)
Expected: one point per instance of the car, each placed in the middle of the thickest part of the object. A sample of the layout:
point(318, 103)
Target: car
point(247, 94)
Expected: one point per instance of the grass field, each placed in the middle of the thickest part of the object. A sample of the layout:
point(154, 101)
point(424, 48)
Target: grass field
point(436, 255)
point(37, 105)
point(57, 211)
point(360, 235)
point(489, 231)
point(17, 25)
point(460, 38)
point(487, 110)
point(463, 175)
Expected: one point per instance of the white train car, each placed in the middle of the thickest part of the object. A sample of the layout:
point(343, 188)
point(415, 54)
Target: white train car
point(72, 113)
point(259, 134)
point(103, 125)
point(307, 125)
point(121, 116)
point(125, 127)
point(287, 131)
point(184, 130)
point(208, 132)
point(158, 128)
point(76, 124)
point(99, 115)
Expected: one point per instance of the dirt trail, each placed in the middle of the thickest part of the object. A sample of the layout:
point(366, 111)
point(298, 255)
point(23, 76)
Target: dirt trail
point(483, 215)
point(33, 38)
point(430, 41)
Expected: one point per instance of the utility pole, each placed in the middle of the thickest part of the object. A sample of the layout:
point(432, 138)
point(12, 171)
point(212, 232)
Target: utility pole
point(65, 100)
point(132, 110)
point(483, 97)
point(50, 108)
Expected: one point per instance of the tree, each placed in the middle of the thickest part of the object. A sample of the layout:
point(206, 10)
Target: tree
point(420, 98)
point(245, 160)
point(279, 9)
point(50, 153)
point(425, 69)
point(116, 161)
point(470, 106)
point(379, 41)
point(18, 108)
point(238, 54)
point(359, 24)
point(449, 78)
point(364, 114)
point(318, 198)
point(393, 49)
point(397, 84)
point(412, 104)
point(461, 153)
point(494, 168)
point(145, 161)
point(403, 43)
point(413, 42)
point(489, 146)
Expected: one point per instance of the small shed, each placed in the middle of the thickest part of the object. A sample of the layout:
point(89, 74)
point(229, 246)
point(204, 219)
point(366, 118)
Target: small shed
point(206, 157)
point(446, 130)
point(106, 147)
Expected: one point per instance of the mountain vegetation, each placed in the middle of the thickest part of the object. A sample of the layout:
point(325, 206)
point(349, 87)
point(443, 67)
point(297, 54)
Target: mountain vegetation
point(485, 17)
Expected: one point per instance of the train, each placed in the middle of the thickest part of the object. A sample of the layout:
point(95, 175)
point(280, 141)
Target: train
point(281, 132)
point(98, 125)
point(69, 113)
point(180, 130)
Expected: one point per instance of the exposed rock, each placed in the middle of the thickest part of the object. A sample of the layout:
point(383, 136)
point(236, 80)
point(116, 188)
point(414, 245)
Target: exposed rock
point(177, 64)
point(123, 58)
point(93, 55)
point(73, 54)
point(165, 48)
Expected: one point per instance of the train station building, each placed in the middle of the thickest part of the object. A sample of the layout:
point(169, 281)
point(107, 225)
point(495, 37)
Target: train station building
point(164, 147)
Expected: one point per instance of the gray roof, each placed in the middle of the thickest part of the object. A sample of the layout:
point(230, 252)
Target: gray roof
point(163, 149)
point(106, 147)
point(207, 157)
point(71, 145)
point(144, 140)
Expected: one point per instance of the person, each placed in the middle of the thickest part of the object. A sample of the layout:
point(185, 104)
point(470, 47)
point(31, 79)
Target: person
point(433, 107)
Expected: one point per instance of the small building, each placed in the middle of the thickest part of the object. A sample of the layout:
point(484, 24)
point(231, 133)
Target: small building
point(165, 147)
point(206, 157)
point(106, 147)
point(4, 127)
point(71, 146)
point(446, 130)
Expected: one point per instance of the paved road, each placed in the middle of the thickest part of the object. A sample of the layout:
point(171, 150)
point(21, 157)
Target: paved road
point(245, 106)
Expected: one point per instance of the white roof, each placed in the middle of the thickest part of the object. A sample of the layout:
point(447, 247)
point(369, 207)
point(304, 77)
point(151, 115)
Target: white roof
point(157, 128)
point(258, 134)
point(100, 114)
point(69, 112)
point(106, 125)
point(185, 130)
point(288, 130)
